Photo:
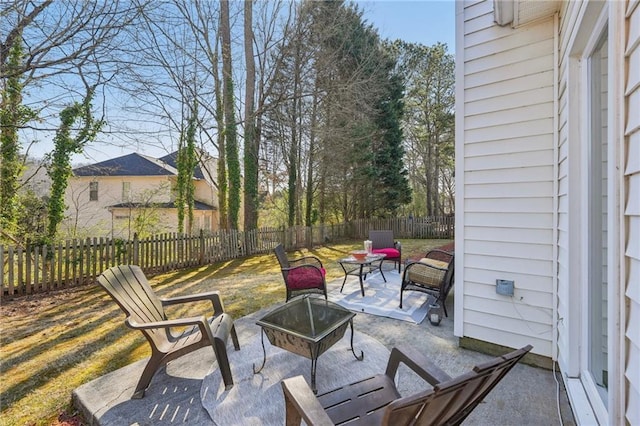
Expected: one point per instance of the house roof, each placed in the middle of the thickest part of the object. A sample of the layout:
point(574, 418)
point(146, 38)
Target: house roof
point(172, 160)
point(128, 165)
point(197, 205)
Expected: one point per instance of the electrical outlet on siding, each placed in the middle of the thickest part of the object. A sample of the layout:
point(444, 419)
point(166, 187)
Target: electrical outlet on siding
point(505, 287)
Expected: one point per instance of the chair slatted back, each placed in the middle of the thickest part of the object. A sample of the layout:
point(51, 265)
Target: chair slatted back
point(282, 256)
point(451, 402)
point(381, 239)
point(129, 287)
point(283, 260)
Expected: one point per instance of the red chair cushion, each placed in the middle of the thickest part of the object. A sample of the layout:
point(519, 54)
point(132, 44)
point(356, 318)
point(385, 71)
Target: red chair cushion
point(390, 252)
point(300, 278)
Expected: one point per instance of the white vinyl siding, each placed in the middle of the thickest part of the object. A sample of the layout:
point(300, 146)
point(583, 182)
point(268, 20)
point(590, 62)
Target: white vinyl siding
point(632, 214)
point(508, 165)
point(522, 158)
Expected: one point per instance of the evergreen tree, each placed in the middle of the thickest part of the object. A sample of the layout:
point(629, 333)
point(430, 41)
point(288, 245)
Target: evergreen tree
point(186, 163)
point(390, 172)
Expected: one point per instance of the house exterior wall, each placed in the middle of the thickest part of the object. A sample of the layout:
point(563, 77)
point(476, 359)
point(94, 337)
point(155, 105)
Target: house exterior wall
point(505, 180)
point(86, 218)
point(530, 227)
point(577, 20)
point(204, 192)
point(93, 218)
point(156, 221)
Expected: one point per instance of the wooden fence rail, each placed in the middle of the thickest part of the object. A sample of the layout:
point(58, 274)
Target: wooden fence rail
point(37, 269)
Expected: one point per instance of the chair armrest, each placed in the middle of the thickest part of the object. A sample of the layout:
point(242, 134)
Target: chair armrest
point(213, 296)
point(446, 253)
point(306, 260)
point(301, 403)
point(306, 265)
point(417, 362)
point(200, 321)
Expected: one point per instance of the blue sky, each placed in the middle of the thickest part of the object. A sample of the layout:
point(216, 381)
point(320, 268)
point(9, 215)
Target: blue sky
point(417, 21)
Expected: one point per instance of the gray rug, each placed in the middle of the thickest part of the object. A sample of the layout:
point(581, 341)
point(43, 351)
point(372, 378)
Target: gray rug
point(380, 298)
point(257, 399)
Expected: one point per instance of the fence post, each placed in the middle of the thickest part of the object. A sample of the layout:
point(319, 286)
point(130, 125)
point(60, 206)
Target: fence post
point(2, 270)
point(201, 255)
point(136, 248)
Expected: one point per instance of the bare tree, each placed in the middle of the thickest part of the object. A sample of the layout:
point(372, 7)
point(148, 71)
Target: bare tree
point(62, 46)
point(58, 36)
point(429, 124)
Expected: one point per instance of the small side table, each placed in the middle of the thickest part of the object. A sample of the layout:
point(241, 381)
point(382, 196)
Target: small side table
point(360, 268)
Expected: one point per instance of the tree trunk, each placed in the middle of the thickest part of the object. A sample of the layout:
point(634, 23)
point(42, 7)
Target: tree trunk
point(231, 143)
point(222, 164)
point(251, 143)
point(310, 177)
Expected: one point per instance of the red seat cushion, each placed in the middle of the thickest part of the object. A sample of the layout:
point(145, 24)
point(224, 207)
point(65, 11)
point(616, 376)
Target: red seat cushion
point(306, 277)
point(390, 252)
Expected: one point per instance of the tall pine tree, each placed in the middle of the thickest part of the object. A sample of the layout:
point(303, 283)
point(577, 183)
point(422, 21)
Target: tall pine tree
point(390, 172)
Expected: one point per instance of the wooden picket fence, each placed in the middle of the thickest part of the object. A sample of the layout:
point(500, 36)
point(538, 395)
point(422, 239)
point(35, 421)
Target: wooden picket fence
point(36, 269)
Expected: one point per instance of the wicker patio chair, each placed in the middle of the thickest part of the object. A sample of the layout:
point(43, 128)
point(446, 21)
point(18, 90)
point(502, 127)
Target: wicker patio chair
point(376, 400)
point(303, 275)
point(384, 243)
point(169, 338)
point(433, 274)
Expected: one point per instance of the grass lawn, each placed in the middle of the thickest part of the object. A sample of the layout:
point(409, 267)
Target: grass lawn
point(53, 343)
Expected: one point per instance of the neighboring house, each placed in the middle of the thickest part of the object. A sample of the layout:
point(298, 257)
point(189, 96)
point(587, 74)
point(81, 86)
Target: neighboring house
point(36, 178)
point(135, 193)
point(548, 191)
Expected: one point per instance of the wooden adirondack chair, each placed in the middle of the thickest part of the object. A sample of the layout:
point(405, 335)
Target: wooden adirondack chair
point(169, 338)
point(376, 401)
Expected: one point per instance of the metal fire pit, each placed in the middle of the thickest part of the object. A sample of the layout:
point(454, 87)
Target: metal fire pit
point(306, 326)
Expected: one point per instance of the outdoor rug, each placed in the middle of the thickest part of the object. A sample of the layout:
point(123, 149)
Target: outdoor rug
point(257, 399)
point(380, 298)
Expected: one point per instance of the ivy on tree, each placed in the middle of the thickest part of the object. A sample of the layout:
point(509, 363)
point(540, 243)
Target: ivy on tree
point(65, 145)
point(186, 164)
point(13, 115)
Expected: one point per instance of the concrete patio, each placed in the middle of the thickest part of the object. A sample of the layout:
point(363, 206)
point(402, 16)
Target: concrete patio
point(526, 396)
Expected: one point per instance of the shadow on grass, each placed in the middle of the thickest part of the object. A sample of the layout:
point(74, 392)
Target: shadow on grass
point(55, 316)
point(256, 265)
point(69, 361)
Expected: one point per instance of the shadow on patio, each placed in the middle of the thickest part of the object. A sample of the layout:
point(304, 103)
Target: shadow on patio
point(526, 396)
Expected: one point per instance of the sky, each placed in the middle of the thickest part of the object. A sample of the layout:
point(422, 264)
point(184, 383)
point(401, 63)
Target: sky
point(417, 21)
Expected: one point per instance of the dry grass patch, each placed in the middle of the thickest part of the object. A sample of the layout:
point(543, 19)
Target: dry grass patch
point(53, 343)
